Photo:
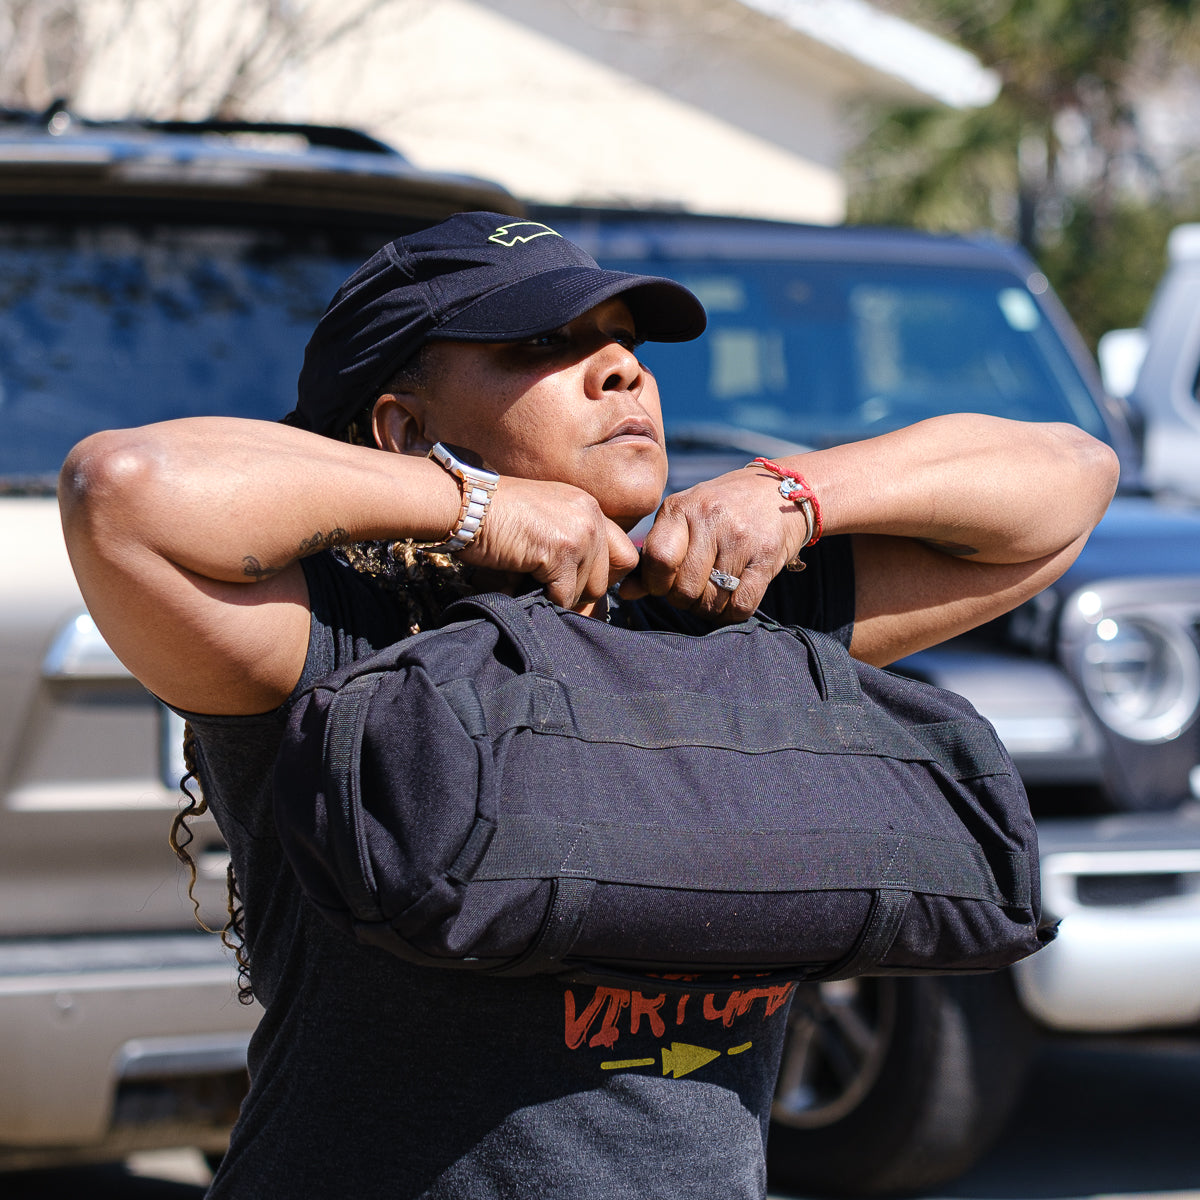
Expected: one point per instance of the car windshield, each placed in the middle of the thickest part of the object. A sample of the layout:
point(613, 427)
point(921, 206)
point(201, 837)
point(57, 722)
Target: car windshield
point(821, 353)
point(107, 325)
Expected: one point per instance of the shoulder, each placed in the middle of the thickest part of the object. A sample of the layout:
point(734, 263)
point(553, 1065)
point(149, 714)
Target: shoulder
point(353, 614)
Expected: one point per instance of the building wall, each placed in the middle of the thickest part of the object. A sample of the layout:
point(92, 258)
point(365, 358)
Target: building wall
point(699, 103)
point(466, 87)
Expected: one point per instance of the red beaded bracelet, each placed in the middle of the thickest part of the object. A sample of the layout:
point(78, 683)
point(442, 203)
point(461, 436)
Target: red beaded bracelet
point(793, 486)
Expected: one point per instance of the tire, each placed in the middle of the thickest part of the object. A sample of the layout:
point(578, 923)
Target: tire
point(891, 1086)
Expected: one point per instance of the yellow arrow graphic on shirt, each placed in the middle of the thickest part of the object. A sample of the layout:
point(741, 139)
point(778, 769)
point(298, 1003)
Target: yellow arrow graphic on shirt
point(682, 1059)
point(623, 1064)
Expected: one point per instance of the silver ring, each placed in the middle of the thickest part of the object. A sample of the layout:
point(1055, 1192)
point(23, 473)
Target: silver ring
point(728, 583)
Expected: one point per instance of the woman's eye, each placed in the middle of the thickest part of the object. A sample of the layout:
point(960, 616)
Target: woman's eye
point(560, 337)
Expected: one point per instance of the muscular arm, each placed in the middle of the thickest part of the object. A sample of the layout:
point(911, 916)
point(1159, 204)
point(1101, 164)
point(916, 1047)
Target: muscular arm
point(186, 539)
point(957, 519)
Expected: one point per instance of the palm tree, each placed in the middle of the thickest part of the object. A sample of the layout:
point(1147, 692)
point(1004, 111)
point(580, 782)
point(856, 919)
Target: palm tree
point(1058, 161)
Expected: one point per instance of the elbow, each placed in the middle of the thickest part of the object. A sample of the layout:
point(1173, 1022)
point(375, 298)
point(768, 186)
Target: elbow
point(1073, 474)
point(1096, 472)
point(102, 481)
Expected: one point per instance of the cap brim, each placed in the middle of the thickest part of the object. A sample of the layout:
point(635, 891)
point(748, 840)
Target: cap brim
point(663, 310)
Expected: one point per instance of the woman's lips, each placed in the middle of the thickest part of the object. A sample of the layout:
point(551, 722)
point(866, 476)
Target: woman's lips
point(634, 429)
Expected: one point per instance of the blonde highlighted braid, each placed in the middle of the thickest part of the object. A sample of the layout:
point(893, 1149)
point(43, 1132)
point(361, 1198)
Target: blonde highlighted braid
point(422, 585)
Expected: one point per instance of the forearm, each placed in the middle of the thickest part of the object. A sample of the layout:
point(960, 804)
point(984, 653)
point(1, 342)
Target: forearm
point(1007, 504)
point(237, 501)
point(993, 490)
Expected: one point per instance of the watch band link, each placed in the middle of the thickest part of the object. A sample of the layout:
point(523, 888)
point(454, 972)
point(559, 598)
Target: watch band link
point(477, 485)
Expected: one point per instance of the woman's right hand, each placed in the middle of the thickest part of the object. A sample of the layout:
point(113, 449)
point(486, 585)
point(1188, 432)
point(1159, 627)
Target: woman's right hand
point(556, 534)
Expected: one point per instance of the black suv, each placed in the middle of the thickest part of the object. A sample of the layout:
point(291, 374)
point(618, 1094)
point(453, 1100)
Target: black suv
point(146, 271)
point(823, 335)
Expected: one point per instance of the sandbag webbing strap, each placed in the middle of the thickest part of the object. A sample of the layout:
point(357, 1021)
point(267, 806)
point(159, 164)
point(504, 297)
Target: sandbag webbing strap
point(520, 616)
point(568, 907)
point(838, 679)
point(571, 898)
point(346, 838)
point(658, 720)
point(966, 748)
point(512, 616)
point(879, 932)
point(839, 722)
point(530, 847)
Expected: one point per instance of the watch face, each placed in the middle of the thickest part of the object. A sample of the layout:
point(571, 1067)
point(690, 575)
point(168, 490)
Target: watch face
point(469, 469)
point(464, 455)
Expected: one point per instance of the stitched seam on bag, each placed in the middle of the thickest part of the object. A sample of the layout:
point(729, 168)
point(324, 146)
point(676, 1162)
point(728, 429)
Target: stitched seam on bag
point(567, 856)
point(860, 750)
point(891, 862)
point(885, 878)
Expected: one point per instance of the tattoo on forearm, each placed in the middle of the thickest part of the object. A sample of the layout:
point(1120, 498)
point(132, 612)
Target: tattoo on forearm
point(253, 568)
point(956, 549)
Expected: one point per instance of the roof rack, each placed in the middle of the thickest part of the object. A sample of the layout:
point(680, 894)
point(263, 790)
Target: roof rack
point(58, 118)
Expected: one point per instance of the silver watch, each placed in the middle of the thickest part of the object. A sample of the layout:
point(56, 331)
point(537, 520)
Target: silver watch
point(477, 484)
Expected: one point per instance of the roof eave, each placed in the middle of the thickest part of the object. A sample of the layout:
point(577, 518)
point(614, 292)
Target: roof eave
point(906, 61)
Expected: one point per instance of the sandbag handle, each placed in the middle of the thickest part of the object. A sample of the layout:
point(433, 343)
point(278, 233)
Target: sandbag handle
point(570, 898)
point(883, 922)
point(836, 678)
point(346, 836)
point(511, 614)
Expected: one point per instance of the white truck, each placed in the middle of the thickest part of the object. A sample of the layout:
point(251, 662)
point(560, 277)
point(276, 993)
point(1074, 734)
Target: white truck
point(1158, 368)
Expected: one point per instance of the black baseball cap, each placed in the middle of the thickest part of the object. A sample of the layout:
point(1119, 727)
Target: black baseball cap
point(480, 277)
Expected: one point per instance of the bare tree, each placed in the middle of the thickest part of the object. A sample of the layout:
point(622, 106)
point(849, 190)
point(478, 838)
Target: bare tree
point(211, 59)
point(39, 51)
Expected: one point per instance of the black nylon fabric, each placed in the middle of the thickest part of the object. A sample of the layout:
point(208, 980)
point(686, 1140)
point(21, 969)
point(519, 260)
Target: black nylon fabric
point(527, 790)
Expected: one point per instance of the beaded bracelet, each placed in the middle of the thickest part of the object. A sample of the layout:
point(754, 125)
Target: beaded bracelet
point(793, 486)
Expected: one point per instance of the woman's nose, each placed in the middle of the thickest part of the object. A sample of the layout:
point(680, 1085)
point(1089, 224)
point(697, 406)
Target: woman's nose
point(615, 368)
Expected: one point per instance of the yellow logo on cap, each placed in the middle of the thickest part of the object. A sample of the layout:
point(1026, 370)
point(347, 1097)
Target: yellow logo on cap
point(521, 231)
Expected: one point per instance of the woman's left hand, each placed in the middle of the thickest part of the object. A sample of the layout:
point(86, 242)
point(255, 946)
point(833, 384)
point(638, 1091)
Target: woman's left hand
point(737, 524)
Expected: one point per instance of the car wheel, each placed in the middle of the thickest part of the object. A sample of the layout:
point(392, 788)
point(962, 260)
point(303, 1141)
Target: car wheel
point(893, 1085)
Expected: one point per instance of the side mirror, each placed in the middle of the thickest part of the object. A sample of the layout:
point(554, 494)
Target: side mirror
point(1121, 353)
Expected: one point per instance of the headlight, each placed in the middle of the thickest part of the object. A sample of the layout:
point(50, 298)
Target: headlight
point(1141, 674)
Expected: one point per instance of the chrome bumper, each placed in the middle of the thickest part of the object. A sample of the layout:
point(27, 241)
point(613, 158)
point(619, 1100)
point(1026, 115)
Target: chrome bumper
point(82, 1018)
point(1127, 957)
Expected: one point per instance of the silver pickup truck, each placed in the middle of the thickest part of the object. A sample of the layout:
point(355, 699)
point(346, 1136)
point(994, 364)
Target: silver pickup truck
point(152, 271)
point(146, 272)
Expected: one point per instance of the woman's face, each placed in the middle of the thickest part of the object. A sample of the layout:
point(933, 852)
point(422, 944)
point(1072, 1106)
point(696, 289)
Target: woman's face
point(573, 406)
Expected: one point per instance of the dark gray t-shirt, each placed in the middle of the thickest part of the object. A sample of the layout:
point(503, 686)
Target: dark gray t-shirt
point(372, 1078)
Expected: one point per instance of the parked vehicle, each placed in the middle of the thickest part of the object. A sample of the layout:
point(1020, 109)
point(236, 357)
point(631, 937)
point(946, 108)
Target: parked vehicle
point(147, 271)
point(1158, 368)
point(819, 336)
point(172, 269)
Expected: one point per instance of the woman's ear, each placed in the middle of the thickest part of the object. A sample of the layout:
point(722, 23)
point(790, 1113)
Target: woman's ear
point(399, 426)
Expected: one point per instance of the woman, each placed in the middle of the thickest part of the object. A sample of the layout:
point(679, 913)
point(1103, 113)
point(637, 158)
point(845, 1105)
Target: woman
point(230, 563)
